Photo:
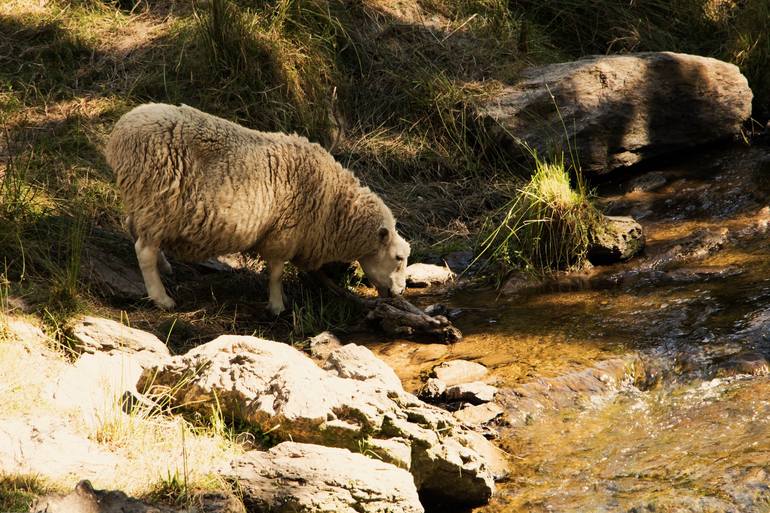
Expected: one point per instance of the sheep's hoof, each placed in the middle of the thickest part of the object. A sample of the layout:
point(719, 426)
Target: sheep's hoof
point(164, 303)
point(275, 309)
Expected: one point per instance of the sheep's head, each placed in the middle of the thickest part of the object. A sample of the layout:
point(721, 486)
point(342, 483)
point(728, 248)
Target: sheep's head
point(386, 267)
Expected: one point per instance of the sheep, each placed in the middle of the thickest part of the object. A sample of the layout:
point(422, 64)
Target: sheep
point(198, 186)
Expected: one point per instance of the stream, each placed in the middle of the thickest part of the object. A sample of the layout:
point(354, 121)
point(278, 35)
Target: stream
point(643, 386)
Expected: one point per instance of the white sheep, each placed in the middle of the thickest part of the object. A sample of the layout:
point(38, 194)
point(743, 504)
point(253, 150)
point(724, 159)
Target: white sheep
point(199, 186)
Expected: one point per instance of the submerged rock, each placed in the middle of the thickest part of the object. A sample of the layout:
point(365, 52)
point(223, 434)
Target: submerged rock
point(86, 499)
point(276, 387)
point(618, 239)
point(459, 371)
point(424, 275)
point(617, 110)
point(303, 478)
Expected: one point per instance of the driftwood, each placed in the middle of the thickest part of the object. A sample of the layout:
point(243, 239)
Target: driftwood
point(397, 316)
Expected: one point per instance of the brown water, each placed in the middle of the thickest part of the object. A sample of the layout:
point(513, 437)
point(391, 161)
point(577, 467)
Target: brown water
point(639, 387)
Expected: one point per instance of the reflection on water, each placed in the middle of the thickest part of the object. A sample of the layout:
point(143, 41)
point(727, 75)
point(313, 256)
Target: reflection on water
point(696, 441)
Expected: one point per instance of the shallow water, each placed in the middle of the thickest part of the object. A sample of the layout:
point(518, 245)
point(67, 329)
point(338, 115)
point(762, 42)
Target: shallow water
point(680, 421)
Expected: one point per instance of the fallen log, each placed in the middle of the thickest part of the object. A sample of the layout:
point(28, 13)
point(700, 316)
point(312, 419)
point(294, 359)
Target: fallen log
point(398, 317)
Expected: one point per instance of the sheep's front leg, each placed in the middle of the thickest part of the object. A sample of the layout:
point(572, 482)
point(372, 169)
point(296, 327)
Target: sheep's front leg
point(275, 305)
point(148, 256)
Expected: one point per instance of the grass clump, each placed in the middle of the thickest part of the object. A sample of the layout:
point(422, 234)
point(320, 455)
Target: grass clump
point(18, 491)
point(547, 226)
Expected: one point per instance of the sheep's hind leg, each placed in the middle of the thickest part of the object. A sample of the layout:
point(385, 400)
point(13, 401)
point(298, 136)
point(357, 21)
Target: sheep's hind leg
point(163, 264)
point(275, 305)
point(148, 257)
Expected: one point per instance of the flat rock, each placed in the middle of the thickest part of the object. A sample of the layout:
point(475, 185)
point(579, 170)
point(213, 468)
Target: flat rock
point(478, 415)
point(302, 478)
point(454, 372)
point(359, 363)
point(425, 275)
point(86, 499)
point(618, 239)
point(474, 393)
point(618, 110)
point(278, 388)
point(96, 334)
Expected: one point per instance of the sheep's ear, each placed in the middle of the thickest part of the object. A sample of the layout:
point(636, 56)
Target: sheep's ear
point(384, 235)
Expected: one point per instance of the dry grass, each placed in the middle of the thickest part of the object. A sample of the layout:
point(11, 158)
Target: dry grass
point(155, 450)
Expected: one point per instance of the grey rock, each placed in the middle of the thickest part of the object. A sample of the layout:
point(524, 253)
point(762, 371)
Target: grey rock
point(425, 275)
point(86, 499)
point(478, 415)
point(303, 478)
point(323, 344)
point(359, 363)
point(278, 388)
point(432, 390)
point(619, 238)
point(95, 334)
point(459, 261)
point(647, 182)
point(617, 110)
point(459, 371)
point(474, 393)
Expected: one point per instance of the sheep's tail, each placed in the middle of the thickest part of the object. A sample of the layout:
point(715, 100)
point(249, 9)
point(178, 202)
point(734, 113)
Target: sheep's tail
point(131, 228)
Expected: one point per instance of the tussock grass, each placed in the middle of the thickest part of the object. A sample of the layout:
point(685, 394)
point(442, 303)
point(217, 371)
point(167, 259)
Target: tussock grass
point(18, 492)
point(547, 226)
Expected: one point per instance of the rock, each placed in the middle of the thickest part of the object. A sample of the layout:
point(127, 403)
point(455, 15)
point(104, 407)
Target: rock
point(95, 334)
point(49, 447)
point(459, 261)
point(303, 478)
point(745, 362)
point(474, 393)
point(477, 415)
point(23, 331)
point(436, 309)
point(617, 110)
point(278, 388)
point(618, 239)
point(85, 499)
point(459, 371)
point(357, 362)
point(97, 386)
point(323, 344)
point(647, 182)
point(518, 282)
point(433, 390)
point(425, 275)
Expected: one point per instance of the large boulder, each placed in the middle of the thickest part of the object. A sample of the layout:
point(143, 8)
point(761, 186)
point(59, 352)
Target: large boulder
point(276, 387)
point(303, 478)
point(616, 110)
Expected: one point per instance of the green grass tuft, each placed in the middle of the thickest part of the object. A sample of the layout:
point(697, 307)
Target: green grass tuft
point(547, 226)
